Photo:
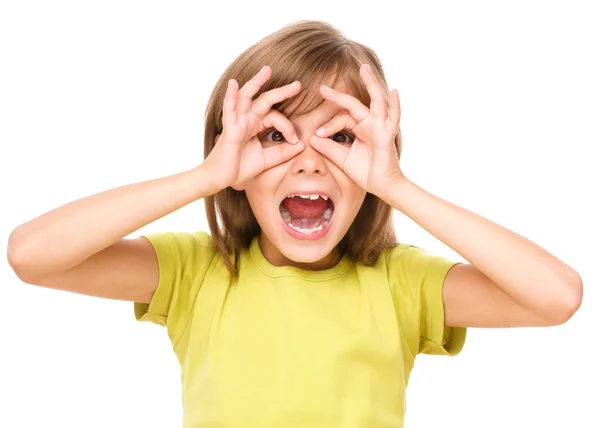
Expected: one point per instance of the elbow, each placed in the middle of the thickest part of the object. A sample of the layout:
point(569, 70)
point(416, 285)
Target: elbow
point(13, 254)
point(570, 302)
point(16, 257)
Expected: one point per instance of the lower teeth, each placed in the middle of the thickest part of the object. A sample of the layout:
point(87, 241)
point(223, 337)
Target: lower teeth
point(307, 231)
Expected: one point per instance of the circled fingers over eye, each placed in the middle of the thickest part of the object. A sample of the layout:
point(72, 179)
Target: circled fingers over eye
point(266, 100)
point(342, 120)
point(229, 104)
point(250, 88)
point(276, 119)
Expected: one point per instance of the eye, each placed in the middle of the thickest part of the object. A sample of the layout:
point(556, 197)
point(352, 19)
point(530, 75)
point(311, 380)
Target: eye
point(342, 137)
point(276, 135)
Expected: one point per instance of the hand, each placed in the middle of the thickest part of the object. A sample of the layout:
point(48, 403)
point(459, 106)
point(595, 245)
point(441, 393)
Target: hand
point(371, 160)
point(238, 154)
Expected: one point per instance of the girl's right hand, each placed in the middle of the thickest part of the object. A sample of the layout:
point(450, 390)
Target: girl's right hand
point(238, 154)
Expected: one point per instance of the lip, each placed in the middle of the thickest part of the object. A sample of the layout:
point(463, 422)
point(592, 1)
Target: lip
point(313, 236)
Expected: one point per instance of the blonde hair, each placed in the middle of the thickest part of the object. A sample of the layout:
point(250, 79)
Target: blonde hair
point(311, 52)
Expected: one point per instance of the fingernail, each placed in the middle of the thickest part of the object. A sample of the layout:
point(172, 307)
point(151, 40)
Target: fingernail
point(320, 131)
point(325, 87)
point(296, 83)
point(295, 139)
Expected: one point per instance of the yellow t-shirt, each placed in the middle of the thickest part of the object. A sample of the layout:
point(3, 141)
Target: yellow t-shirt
point(284, 347)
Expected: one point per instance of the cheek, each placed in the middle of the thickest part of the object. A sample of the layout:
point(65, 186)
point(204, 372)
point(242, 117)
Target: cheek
point(260, 192)
point(357, 201)
point(352, 191)
point(353, 197)
point(356, 196)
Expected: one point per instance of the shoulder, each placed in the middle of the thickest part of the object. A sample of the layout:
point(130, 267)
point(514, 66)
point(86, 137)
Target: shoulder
point(408, 265)
point(197, 240)
point(187, 248)
point(408, 256)
point(185, 237)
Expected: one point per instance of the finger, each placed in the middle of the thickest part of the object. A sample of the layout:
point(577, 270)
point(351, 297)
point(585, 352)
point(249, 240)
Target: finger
point(335, 152)
point(393, 120)
point(265, 101)
point(378, 105)
point(278, 121)
point(229, 116)
point(251, 87)
point(280, 153)
point(337, 123)
point(357, 109)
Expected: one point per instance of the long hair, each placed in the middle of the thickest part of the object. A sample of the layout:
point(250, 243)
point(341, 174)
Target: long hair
point(311, 52)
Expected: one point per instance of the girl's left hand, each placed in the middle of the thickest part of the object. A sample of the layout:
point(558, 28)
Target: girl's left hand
point(371, 160)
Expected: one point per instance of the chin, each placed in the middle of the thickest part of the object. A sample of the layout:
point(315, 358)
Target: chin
point(306, 254)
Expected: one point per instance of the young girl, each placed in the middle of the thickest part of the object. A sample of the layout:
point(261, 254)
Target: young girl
point(300, 308)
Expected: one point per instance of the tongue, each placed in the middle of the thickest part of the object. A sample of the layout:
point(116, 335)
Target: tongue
point(305, 208)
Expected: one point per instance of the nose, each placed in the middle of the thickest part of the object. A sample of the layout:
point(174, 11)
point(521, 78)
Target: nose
point(309, 161)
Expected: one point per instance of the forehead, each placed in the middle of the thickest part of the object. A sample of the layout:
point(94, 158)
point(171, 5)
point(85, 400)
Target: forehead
point(325, 110)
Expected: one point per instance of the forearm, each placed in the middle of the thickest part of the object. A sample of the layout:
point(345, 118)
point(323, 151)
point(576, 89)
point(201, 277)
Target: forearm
point(531, 275)
point(66, 236)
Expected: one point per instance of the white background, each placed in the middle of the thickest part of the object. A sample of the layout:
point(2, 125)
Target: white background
point(500, 107)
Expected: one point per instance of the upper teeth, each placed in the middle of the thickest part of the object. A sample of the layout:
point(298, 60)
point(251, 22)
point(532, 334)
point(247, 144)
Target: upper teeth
point(313, 197)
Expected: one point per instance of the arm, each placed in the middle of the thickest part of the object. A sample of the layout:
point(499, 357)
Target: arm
point(80, 247)
point(510, 282)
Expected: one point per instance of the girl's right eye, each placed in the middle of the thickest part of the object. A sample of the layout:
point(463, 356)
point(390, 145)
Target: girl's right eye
point(277, 136)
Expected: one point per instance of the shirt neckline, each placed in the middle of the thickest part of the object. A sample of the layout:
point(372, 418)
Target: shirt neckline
point(312, 275)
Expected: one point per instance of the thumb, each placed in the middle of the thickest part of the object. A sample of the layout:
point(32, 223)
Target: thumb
point(335, 152)
point(281, 153)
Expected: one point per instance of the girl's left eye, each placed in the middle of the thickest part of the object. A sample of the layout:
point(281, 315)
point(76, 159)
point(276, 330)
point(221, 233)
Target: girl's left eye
point(340, 137)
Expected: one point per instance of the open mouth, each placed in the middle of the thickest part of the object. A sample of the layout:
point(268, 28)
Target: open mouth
point(307, 214)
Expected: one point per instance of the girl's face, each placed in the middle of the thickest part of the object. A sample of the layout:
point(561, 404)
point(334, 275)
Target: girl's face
point(303, 232)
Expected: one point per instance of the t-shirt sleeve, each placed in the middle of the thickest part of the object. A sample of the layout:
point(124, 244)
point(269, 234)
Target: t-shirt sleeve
point(183, 260)
point(416, 280)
